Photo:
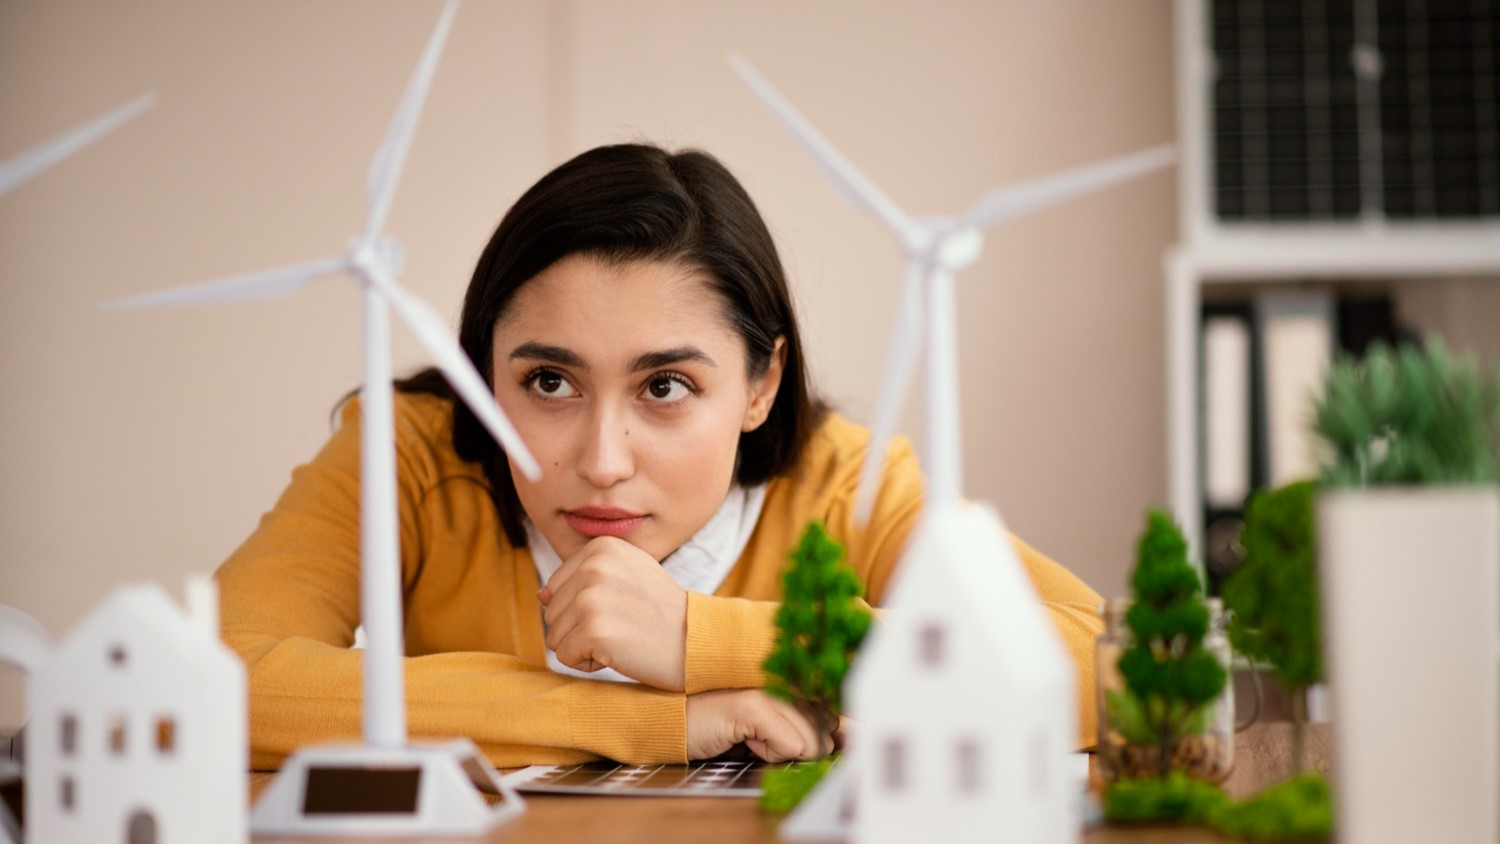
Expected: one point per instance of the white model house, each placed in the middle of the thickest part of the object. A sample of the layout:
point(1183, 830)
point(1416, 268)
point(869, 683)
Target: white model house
point(137, 727)
point(964, 698)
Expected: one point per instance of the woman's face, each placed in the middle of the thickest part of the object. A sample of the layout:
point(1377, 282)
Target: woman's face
point(629, 385)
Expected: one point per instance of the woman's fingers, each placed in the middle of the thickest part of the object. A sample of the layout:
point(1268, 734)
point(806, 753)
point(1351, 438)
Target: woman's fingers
point(808, 732)
point(789, 732)
point(772, 729)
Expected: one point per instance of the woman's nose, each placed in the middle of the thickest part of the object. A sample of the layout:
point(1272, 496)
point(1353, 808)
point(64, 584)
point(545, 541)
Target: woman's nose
point(606, 459)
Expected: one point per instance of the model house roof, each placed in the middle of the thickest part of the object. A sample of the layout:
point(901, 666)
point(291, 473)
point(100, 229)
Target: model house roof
point(960, 567)
point(146, 620)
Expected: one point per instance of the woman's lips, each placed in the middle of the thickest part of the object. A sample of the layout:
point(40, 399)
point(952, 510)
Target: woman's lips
point(603, 521)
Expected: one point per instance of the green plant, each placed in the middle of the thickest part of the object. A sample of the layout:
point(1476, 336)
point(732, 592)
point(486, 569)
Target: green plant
point(1413, 416)
point(783, 788)
point(1273, 594)
point(1176, 797)
point(819, 626)
point(1300, 807)
point(1167, 671)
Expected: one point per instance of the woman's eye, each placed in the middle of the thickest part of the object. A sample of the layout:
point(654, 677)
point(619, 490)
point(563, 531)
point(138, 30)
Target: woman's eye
point(552, 385)
point(665, 388)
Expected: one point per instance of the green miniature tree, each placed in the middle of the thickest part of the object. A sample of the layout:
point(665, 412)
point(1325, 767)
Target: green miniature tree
point(1414, 416)
point(819, 629)
point(1273, 595)
point(1167, 671)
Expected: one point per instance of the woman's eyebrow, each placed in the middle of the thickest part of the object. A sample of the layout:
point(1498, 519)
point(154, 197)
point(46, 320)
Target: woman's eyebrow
point(667, 357)
point(549, 354)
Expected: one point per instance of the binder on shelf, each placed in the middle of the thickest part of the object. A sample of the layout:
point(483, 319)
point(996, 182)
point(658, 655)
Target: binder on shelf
point(1230, 425)
point(1297, 343)
point(1226, 410)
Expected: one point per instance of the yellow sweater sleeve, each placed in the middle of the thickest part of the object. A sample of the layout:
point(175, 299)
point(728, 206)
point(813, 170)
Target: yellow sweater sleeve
point(290, 603)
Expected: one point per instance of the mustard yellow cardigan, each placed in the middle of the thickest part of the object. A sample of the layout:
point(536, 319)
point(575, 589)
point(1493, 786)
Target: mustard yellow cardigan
point(475, 656)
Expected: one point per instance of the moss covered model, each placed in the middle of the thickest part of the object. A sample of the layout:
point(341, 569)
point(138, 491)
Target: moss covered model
point(819, 628)
point(1171, 680)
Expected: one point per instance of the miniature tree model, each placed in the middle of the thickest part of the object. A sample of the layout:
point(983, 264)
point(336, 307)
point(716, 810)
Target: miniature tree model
point(1274, 595)
point(1166, 668)
point(819, 628)
point(820, 624)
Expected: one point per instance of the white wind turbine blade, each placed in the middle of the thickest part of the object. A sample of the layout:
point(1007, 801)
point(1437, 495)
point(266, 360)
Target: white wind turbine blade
point(24, 641)
point(385, 170)
point(845, 177)
point(901, 359)
point(44, 155)
point(1016, 200)
point(432, 332)
point(268, 284)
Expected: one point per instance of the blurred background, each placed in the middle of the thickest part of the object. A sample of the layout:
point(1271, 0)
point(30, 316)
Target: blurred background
point(145, 446)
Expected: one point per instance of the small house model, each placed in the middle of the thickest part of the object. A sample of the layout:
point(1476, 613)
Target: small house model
point(137, 728)
point(964, 698)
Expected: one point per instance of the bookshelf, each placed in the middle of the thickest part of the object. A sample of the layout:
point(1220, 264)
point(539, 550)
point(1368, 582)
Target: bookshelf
point(1322, 143)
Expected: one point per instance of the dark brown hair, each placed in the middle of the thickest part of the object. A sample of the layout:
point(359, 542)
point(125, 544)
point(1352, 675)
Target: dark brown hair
point(634, 202)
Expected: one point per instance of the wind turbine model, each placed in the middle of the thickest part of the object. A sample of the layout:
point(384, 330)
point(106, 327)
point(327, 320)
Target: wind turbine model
point(385, 786)
point(21, 168)
point(960, 598)
point(936, 247)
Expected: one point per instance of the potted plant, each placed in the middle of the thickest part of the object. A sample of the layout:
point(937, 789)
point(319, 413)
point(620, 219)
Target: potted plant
point(1409, 546)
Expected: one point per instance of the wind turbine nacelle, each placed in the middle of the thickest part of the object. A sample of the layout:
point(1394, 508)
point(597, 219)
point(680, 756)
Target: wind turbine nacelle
point(384, 250)
point(960, 247)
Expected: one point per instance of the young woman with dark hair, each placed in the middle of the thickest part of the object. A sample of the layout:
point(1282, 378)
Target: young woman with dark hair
point(633, 319)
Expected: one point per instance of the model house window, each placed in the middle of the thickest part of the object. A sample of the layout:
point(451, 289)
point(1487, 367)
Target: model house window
point(142, 829)
point(166, 734)
point(117, 734)
point(967, 765)
point(893, 754)
point(65, 794)
point(68, 732)
point(931, 643)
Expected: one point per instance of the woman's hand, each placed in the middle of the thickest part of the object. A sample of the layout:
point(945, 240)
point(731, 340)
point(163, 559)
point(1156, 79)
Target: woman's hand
point(612, 606)
point(773, 729)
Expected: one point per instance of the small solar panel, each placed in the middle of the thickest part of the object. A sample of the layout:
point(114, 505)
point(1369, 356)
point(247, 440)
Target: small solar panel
point(1340, 109)
point(362, 791)
point(735, 778)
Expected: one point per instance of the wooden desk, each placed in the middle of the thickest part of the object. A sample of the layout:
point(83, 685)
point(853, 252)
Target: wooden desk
point(1262, 756)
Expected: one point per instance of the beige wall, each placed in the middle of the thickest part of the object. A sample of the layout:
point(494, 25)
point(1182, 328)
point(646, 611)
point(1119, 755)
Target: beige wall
point(144, 446)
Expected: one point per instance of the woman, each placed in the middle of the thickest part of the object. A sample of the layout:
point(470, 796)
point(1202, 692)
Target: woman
point(633, 319)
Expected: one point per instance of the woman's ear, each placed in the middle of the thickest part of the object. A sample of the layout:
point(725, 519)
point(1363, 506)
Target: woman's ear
point(763, 389)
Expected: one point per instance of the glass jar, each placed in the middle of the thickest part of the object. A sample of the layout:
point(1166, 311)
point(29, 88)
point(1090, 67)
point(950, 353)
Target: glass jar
point(1207, 755)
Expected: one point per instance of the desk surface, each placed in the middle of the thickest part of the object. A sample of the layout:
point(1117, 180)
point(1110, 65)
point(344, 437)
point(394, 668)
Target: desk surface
point(1262, 756)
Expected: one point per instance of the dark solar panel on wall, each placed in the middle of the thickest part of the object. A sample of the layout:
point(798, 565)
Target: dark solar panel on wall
point(1338, 109)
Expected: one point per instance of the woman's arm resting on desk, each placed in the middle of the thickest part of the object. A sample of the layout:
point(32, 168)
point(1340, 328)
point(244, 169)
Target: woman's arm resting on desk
point(728, 639)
